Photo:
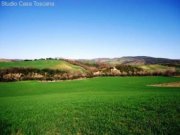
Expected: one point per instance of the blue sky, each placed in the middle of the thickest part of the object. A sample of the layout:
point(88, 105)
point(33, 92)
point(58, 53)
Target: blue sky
point(91, 29)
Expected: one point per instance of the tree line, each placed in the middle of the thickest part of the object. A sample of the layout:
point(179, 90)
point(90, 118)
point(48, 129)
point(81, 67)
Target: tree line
point(16, 74)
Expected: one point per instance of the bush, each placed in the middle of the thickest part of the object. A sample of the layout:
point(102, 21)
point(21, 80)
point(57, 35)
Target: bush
point(13, 74)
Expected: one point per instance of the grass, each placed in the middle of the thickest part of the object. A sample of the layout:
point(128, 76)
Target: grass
point(41, 64)
point(103, 105)
point(156, 67)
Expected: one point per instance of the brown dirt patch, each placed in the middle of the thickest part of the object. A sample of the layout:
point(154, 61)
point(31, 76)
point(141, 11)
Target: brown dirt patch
point(172, 84)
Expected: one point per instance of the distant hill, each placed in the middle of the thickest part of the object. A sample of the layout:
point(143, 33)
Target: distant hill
point(136, 60)
point(5, 60)
point(152, 60)
point(55, 63)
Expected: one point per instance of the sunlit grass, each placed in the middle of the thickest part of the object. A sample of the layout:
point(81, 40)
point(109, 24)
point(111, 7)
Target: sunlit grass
point(103, 105)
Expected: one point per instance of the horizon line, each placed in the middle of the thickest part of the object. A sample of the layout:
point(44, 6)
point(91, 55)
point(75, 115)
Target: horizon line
point(87, 58)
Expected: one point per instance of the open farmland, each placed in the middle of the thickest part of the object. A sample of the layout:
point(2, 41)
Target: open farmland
point(102, 105)
point(42, 64)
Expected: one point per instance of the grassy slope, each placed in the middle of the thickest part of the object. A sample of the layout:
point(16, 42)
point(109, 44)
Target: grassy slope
point(64, 65)
point(118, 105)
point(156, 67)
point(40, 64)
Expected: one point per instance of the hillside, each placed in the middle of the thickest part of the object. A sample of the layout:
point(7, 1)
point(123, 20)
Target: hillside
point(63, 69)
point(42, 64)
point(136, 60)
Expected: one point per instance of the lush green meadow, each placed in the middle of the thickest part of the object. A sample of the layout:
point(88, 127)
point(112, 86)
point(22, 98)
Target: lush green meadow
point(42, 64)
point(109, 105)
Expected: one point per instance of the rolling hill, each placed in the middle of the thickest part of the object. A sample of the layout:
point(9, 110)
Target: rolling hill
point(62, 69)
point(42, 64)
point(136, 60)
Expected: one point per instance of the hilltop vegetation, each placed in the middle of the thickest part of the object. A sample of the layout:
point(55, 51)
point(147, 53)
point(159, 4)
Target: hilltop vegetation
point(62, 69)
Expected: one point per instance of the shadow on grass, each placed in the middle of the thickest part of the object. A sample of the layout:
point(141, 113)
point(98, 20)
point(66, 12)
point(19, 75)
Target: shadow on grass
point(5, 127)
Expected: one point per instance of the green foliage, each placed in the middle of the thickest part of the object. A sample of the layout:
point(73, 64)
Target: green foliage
point(15, 74)
point(103, 105)
point(129, 69)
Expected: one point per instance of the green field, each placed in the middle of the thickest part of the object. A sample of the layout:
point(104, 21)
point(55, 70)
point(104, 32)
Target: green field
point(100, 106)
point(42, 64)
